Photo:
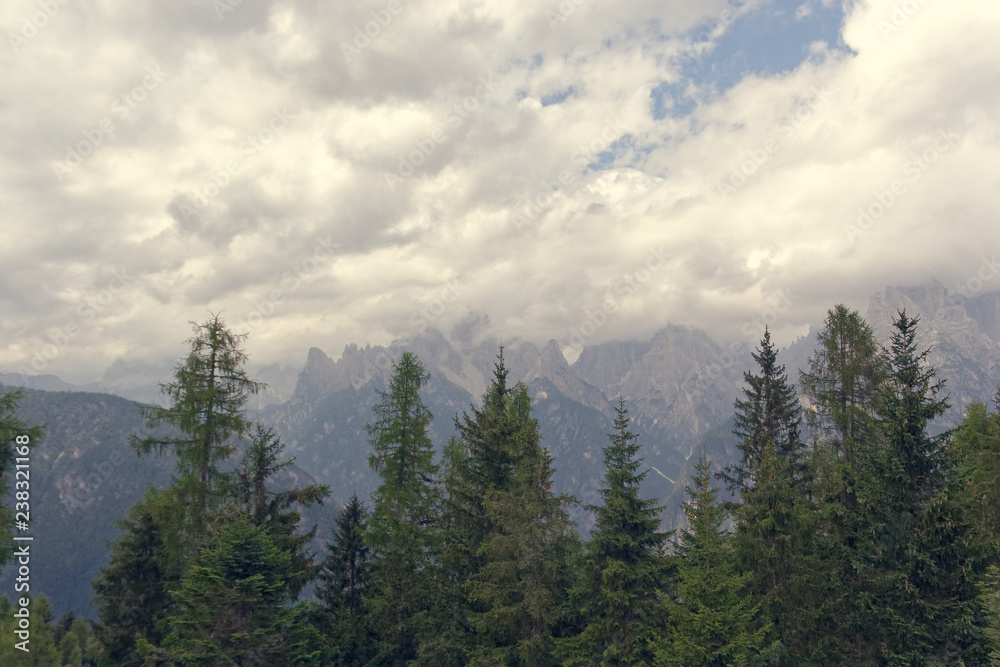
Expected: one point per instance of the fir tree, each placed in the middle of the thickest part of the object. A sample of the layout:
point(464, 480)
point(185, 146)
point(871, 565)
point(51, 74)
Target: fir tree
point(401, 529)
point(520, 585)
point(712, 620)
point(626, 566)
point(917, 554)
point(269, 509)
point(768, 414)
point(132, 591)
point(231, 607)
point(342, 581)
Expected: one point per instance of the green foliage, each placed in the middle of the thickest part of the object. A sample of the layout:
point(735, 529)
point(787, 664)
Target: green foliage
point(342, 580)
point(266, 508)
point(401, 530)
point(916, 557)
point(521, 582)
point(11, 428)
point(626, 567)
point(42, 648)
point(844, 379)
point(230, 608)
point(133, 589)
point(769, 414)
point(712, 621)
point(206, 402)
point(976, 447)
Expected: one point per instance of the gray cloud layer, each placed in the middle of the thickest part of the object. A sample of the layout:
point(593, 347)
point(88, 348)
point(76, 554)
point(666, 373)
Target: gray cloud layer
point(320, 185)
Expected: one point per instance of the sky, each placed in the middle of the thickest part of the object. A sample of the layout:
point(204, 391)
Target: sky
point(322, 173)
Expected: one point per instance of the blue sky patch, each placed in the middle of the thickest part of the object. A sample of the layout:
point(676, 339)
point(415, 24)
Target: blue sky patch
point(770, 40)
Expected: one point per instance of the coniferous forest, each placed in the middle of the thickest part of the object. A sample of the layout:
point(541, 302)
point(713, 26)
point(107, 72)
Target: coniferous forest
point(849, 532)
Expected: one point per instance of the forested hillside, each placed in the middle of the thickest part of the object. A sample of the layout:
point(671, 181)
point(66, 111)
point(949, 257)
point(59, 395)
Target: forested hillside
point(843, 529)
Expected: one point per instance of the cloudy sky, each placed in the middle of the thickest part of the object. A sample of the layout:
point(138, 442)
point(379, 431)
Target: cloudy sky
point(333, 172)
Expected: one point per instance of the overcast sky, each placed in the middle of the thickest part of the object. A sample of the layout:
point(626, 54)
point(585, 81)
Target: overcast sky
point(333, 172)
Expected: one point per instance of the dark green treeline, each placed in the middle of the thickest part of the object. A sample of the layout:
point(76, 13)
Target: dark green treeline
point(855, 535)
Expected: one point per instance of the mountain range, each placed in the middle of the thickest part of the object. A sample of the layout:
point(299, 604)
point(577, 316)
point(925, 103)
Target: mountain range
point(679, 386)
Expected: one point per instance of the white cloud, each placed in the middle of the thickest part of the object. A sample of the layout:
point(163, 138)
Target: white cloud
point(815, 145)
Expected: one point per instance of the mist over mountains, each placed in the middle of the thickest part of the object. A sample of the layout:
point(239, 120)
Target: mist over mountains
point(680, 386)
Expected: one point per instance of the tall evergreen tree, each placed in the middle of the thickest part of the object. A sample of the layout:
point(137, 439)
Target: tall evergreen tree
point(917, 554)
point(342, 582)
point(770, 413)
point(401, 530)
point(482, 458)
point(270, 509)
point(206, 403)
point(132, 591)
point(779, 544)
point(232, 607)
point(844, 378)
point(524, 572)
point(712, 620)
point(626, 568)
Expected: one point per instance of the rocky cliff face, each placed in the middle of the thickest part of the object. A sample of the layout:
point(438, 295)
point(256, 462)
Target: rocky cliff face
point(963, 335)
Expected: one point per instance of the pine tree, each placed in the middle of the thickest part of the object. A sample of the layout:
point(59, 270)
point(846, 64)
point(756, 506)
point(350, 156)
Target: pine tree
point(917, 555)
point(712, 620)
point(15, 436)
point(401, 530)
point(626, 566)
point(769, 414)
point(207, 399)
point(779, 544)
point(342, 581)
point(269, 509)
point(519, 589)
point(231, 607)
point(132, 591)
point(482, 458)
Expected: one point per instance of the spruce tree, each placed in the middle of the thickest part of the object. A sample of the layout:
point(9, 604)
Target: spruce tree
point(625, 571)
point(132, 591)
point(401, 529)
point(342, 581)
point(712, 621)
point(231, 607)
point(519, 588)
point(482, 458)
point(917, 553)
point(269, 509)
point(770, 413)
